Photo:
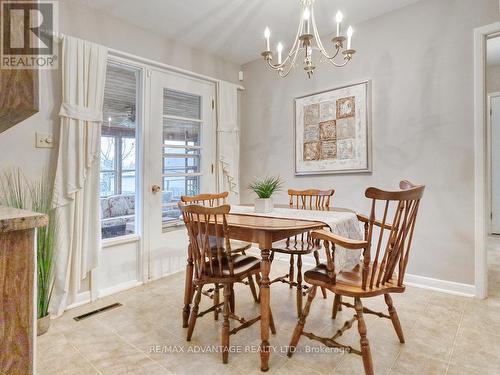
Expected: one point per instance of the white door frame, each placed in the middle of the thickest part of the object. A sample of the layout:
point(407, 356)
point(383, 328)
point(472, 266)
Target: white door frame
point(161, 79)
point(148, 65)
point(480, 158)
point(489, 162)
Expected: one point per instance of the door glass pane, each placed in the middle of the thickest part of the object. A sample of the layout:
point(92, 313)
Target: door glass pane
point(128, 154)
point(181, 151)
point(107, 184)
point(119, 152)
point(181, 165)
point(181, 104)
point(128, 182)
point(180, 132)
point(107, 154)
point(175, 187)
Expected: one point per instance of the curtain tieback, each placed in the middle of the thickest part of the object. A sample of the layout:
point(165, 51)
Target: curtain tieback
point(79, 112)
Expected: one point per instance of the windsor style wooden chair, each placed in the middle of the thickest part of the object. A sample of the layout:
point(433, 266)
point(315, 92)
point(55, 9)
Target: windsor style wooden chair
point(381, 271)
point(222, 268)
point(303, 244)
point(210, 200)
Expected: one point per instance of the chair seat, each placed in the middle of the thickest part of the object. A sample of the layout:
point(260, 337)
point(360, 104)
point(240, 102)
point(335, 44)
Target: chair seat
point(243, 266)
point(239, 246)
point(236, 247)
point(349, 283)
point(294, 247)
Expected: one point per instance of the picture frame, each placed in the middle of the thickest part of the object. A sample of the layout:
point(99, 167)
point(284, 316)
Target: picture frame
point(332, 131)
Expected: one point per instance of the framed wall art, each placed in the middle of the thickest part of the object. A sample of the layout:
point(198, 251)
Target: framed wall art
point(333, 131)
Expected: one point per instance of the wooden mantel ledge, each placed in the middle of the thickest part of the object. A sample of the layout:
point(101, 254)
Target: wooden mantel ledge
point(13, 219)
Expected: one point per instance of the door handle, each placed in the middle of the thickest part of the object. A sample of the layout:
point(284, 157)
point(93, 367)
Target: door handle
point(155, 188)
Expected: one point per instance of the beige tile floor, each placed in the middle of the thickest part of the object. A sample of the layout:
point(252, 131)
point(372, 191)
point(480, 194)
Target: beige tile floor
point(445, 335)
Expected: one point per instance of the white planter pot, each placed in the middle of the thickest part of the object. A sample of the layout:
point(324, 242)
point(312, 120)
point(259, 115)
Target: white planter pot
point(263, 205)
point(42, 325)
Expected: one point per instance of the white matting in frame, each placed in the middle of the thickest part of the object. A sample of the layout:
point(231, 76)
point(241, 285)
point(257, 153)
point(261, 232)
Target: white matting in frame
point(333, 131)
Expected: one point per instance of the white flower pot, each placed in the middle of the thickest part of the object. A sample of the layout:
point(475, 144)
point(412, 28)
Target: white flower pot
point(263, 205)
point(42, 325)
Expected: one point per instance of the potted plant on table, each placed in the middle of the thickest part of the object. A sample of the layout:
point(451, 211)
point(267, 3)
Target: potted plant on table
point(16, 191)
point(265, 188)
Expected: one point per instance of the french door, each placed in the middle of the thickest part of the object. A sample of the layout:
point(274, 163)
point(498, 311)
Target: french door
point(181, 161)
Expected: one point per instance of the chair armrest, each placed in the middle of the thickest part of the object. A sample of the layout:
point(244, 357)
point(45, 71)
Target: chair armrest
point(347, 243)
point(378, 223)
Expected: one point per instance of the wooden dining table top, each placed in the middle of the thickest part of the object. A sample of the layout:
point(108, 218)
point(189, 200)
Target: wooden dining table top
point(270, 223)
point(263, 222)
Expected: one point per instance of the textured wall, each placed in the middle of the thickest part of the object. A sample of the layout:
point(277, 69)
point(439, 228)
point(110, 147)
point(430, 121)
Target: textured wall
point(420, 59)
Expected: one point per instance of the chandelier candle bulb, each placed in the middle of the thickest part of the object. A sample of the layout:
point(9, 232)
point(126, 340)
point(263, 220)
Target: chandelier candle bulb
point(350, 31)
point(279, 49)
point(307, 16)
point(338, 18)
point(267, 35)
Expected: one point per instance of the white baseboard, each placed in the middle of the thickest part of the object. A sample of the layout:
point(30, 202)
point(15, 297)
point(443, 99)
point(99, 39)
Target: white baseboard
point(119, 288)
point(84, 297)
point(80, 299)
point(450, 287)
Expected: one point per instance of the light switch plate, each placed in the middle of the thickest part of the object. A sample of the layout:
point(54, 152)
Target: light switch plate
point(44, 140)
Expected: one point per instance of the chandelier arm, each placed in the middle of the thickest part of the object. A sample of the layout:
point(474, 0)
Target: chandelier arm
point(319, 42)
point(316, 34)
point(284, 72)
point(279, 68)
point(323, 52)
point(339, 65)
point(296, 43)
point(293, 51)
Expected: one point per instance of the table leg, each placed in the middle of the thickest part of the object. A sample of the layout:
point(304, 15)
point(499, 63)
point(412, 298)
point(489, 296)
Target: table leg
point(188, 292)
point(265, 297)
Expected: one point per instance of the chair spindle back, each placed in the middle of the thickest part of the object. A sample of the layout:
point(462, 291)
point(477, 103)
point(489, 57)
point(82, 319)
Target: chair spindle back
point(210, 200)
point(202, 223)
point(392, 250)
point(388, 242)
point(311, 199)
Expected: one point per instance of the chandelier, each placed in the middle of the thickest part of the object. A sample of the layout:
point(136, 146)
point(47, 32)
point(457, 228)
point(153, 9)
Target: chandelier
point(308, 40)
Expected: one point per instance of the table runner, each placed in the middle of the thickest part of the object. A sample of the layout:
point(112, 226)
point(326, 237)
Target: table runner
point(342, 223)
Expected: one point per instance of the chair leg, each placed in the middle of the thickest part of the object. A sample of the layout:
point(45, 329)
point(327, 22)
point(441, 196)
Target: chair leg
point(225, 324)
point(365, 345)
point(194, 312)
point(337, 303)
point(299, 285)
point(257, 280)
point(272, 327)
point(216, 301)
point(299, 328)
point(231, 298)
point(394, 318)
point(291, 271)
point(252, 288)
point(188, 293)
point(316, 257)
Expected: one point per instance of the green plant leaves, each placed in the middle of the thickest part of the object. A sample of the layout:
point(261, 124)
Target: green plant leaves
point(266, 187)
point(19, 192)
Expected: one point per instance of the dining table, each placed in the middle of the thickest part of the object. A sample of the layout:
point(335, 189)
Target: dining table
point(283, 222)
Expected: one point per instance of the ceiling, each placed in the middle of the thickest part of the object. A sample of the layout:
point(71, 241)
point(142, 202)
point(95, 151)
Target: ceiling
point(233, 29)
point(493, 51)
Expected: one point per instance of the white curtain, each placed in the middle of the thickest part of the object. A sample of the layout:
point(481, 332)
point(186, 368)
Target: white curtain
point(228, 134)
point(76, 191)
